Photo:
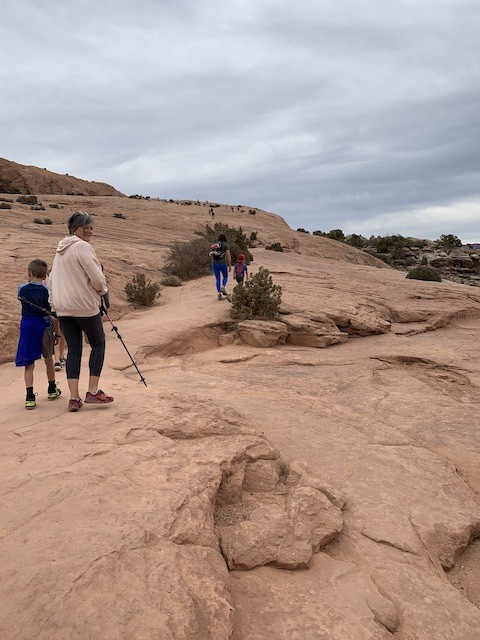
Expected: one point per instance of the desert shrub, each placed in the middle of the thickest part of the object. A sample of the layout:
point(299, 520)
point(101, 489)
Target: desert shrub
point(302, 230)
point(6, 200)
point(252, 212)
point(319, 233)
point(54, 206)
point(37, 207)
point(141, 292)
point(171, 281)
point(236, 238)
point(354, 240)
point(27, 199)
point(275, 246)
point(394, 245)
point(257, 298)
point(38, 221)
point(424, 261)
point(448, 242)
point(5, 205)
point(189, 260)
point(119, 215)
point(336, 234)
point(253, 236)
point(424, 273)
point(47, 221)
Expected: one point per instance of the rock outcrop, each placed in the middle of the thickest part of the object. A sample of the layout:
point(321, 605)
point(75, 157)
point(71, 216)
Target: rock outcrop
point(19, 178)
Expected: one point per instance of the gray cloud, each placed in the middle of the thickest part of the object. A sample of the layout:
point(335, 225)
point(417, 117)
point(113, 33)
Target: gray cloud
point(362, 112)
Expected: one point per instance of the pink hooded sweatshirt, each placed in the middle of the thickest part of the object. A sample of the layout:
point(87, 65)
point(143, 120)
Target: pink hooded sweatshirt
point(76, 279)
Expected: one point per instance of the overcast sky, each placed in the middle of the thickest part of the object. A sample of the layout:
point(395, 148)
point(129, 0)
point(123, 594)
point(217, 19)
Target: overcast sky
point(362, 115)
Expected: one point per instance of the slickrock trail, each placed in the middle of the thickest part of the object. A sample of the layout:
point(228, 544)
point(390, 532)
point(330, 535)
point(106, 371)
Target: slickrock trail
point(254, 492)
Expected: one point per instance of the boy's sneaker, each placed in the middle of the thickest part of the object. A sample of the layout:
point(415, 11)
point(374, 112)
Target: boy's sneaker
point(60, 364)
point(53, 395)
point(97, 398)
point(219, 295)
point(30, 403)
point(74, 404)
point(222, 290)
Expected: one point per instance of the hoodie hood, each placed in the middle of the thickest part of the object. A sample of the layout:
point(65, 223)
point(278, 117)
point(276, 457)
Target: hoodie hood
point(67, 242)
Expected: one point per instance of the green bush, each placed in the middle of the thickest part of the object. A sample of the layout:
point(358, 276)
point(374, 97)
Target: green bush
point(6, 200)
point(5, 205)
point(448, 242)
point(424, 273)
point(253, 236)
point(236, 238)
point(27, 199)
point(141, 292)
point(336, 234)
point(393, 245)
point(424, 261)
point(171, 281)
point(275, 246)
point(302, 230)
point(257, 298)
point(354, 240)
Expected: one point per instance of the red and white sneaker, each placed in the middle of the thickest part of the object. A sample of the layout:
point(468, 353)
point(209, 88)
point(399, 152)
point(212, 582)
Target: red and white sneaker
point(98, 398)
point(74, 405)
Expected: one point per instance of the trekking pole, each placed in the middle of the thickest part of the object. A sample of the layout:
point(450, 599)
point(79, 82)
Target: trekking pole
point(35, 306)
point(114, 328)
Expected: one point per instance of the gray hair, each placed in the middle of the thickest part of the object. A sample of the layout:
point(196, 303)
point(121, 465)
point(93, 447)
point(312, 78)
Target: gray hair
point(78, 219)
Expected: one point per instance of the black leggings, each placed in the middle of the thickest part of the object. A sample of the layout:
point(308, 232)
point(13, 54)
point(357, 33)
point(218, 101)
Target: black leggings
point(72, 329)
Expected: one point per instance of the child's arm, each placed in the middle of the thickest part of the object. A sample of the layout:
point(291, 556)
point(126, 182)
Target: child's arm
point(56, 328)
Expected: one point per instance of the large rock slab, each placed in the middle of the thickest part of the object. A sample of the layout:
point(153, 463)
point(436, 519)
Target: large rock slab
point(318, 331)
point(262, 333)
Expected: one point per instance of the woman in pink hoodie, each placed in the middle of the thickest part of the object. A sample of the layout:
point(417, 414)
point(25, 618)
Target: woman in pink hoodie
point(76, 286)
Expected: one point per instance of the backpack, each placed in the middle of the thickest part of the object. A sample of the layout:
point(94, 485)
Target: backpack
point(218, 251)
point(239, 269)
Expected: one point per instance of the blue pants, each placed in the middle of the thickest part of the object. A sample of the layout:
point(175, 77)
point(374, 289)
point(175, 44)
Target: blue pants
point(220, 269)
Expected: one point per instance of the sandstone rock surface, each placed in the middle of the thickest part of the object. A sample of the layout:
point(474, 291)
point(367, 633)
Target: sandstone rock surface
point(111, 519)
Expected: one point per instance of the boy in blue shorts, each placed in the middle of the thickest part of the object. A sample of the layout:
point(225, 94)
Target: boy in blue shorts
point(39, 331)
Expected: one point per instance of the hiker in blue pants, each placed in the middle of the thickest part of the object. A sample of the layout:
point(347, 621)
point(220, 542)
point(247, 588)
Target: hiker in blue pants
point(221, 263)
